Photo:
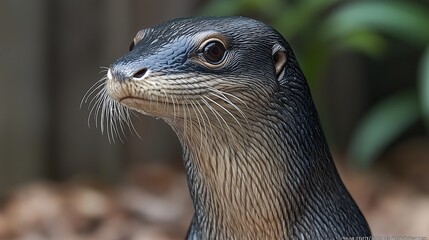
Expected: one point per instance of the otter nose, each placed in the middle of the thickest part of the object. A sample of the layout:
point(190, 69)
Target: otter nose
point(109, 74)
point(114, 73)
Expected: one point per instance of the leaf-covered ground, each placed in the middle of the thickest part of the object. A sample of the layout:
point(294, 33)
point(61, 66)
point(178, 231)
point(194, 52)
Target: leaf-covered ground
point(154, 203)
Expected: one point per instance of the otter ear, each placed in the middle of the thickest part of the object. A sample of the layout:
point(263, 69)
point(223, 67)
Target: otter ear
point(279, 58)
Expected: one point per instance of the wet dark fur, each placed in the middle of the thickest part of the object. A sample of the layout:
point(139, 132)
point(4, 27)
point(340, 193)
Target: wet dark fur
point(272, 176)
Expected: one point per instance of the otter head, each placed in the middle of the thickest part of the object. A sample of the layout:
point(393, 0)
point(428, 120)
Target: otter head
point(200, 68)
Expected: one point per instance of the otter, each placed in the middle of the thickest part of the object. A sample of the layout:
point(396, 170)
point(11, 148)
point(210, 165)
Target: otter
point(256, 159)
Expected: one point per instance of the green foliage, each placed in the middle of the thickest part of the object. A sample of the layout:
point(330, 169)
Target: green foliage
point(392, 116)
point(382, 125)
point(324, 27)
point(296, 18)
point(402, 20)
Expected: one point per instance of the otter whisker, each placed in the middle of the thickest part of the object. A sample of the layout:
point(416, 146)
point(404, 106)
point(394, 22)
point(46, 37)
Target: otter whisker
point(174, 108)
point(166, 99)
point(228, 94)
point(129, 121)
point(123, 114)
point(223, 97)
point(98, 104)
point(218, 114)
point(226, 110)
point(93, 103)
point(96, 86)
point(101, 86)
point(103, 112)
point(157, 101)
point(97, 97)
point(189, 115)
point(207, 117)
point(124, 117)
point(118, 125)
point(233, 105)
point(100, 108)
point(150, 100)
point(223, 93)
point(107, 120)
point(95, 106)
point(122, 120)
point(104, 69)
point(111, 121)
point(120, 117)
point(199, 123)
point(119, 120)
point(104, 117)
point(212, 110)
point(184, 120)
point(109, 115)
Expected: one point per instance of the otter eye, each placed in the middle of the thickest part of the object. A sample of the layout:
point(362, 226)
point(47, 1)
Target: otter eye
point(214, 51)
point(132, 46)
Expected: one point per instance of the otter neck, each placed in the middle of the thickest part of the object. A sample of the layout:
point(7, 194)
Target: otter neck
point(247, 181)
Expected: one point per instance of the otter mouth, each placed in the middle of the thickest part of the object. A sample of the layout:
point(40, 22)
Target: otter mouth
point(154, 107)
point(124, 100)
point(144, 102)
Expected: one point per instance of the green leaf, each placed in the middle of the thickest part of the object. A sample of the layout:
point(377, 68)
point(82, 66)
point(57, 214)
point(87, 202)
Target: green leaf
point(366, 42)
point(312, 59)
point(403, 20)
point(381, 126)
point(297, 16)
point(423, 85)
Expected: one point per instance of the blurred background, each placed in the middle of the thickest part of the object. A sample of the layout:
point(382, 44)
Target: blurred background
point(367, 63)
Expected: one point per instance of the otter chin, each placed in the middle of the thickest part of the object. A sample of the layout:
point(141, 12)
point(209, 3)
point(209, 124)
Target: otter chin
point(256, 159)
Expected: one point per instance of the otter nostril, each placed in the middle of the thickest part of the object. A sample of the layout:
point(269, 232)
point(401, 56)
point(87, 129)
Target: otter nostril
point(140, 73)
